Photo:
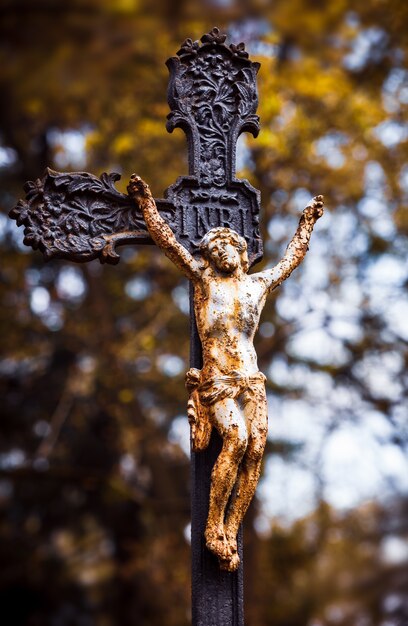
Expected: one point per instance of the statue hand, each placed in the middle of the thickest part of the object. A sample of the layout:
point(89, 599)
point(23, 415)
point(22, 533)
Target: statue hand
point(314, 209)
point(137, 188)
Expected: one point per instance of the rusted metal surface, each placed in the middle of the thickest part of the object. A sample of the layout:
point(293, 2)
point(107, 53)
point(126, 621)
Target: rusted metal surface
point(208, 225)
point(228, 393)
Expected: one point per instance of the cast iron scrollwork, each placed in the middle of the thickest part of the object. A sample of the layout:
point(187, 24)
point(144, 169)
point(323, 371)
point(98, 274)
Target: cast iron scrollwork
point(213, 96)
point(74, 216)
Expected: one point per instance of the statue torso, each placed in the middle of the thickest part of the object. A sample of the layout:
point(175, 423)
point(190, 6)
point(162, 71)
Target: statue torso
point(227, 311)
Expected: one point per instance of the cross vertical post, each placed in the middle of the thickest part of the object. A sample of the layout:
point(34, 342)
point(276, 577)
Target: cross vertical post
point(213, 97)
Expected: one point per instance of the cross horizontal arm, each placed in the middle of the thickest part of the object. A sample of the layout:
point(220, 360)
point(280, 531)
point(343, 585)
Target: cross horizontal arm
point(81, 217)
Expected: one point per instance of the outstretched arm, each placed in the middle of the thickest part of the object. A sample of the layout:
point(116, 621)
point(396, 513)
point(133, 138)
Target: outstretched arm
point(160, 231)
point(296, 250)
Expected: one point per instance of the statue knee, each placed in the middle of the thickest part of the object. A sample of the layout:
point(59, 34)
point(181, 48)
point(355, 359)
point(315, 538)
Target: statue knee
point(255, 452)
point(237, 442)
point(241, 445)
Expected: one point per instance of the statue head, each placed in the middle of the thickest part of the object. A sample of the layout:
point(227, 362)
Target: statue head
point(225, 250)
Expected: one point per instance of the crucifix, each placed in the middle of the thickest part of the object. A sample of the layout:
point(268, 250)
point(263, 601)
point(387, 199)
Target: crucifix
point(208, 226)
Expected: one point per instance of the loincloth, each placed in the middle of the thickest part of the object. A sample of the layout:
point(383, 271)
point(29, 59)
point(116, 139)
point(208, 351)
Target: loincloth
point(205, 394)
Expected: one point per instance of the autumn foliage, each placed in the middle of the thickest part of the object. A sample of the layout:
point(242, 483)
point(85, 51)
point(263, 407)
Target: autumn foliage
point(94, 479)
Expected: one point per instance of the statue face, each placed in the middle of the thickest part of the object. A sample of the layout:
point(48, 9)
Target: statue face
point(223, 255)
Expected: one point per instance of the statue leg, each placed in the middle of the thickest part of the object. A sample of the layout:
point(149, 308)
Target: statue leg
point(255, 410)
point(228, 419)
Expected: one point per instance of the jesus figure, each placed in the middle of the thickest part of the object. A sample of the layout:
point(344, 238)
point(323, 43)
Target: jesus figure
point(228, 393)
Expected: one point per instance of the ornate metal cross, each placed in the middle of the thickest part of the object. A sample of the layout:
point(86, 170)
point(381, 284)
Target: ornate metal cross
point(213, 97)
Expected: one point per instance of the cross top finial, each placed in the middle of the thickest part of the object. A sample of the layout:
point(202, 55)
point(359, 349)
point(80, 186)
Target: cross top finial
point(190, 47)
point(213, 98)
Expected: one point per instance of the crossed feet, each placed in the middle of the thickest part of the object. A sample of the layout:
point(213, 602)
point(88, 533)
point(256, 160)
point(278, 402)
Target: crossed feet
point(224, 547)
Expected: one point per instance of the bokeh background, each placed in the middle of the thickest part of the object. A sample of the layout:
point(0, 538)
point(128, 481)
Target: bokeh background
point(94, 468)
